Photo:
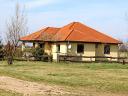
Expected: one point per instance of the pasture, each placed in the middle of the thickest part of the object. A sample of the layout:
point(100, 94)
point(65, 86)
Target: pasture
point(79, 79)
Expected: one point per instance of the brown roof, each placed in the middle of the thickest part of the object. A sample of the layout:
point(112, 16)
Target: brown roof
point(72, 32)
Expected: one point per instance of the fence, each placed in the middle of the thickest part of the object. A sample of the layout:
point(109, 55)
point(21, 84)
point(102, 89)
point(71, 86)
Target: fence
point(92, 59)
point(45, 58)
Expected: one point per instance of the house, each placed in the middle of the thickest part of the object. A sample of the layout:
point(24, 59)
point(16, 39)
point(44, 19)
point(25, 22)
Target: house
point(74, 39)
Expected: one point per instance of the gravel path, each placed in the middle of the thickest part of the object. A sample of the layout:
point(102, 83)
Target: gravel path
point(29, 88)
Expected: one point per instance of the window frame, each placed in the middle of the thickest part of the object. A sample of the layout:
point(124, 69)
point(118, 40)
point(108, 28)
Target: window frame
point(41, 45)
point(58, 48)
point(107, 49)
point(96, 45)
point(82, 49)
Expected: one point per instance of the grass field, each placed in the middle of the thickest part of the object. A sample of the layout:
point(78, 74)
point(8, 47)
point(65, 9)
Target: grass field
point(90, 79)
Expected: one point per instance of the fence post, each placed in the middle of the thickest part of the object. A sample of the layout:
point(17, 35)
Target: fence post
point(58, 58)
point(123, 62)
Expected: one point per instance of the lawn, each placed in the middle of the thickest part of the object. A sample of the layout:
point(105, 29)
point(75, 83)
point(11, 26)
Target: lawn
point(82, 78)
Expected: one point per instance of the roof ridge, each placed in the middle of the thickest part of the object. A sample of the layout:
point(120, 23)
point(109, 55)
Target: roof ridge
point(43, 32)
point(69, 34)
point(72, 25)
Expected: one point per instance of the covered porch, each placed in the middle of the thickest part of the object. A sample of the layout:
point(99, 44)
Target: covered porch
point(36, 50)
point(45, 46)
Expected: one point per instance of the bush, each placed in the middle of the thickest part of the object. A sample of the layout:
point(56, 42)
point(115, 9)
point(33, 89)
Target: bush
point(18, 53)
point(38, 52)
point(35, 54)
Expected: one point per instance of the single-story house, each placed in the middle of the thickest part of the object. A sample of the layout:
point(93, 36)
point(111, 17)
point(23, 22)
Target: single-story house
point(73, 39)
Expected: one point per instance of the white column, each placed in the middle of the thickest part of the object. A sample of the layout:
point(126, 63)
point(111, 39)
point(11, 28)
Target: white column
point(23, 46)
point(36, 45)
point(54, 52)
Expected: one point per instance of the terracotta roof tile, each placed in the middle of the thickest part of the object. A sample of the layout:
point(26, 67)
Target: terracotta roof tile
point(78, 32)
point(72, 32)
point(39, 34)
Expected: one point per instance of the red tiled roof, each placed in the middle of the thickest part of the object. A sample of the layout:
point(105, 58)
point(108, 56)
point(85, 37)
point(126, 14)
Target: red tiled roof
point(73, 32)
point(37, 36)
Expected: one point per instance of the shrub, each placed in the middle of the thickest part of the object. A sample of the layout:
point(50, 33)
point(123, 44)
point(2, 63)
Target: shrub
point(18, 52)
point(37, 53)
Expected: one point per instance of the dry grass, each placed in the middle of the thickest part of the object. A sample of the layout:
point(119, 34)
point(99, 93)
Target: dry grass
point(8, 93)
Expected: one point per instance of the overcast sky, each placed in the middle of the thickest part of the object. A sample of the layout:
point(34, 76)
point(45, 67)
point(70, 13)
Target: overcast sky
point(107, 16)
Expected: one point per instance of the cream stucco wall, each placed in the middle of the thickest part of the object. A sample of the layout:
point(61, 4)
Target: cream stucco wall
point(89, 50)
point(63, 50)
point(113, 51)
point(73, 50)
point(47, 48)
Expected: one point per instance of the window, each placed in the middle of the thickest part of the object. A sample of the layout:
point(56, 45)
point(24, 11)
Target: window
point(106, 49)
point(80, 48)
point(96, 46)
point(58, 47)
point(41, 45)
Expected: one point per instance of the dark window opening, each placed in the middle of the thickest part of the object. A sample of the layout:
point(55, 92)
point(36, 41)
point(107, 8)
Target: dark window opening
point(96, 46)
point(58, 47)
point(41, 45)
point(106, 49)
point(80, 48)
point(33, 45)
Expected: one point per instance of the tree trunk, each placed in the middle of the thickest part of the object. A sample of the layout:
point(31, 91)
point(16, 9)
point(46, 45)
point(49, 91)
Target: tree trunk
point(10, 60)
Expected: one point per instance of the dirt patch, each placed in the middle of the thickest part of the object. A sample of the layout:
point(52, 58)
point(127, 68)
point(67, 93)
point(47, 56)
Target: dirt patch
point(29, 88)
point(35, 89)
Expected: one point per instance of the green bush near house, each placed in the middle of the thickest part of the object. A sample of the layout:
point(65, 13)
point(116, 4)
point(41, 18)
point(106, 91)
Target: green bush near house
point(37, 53)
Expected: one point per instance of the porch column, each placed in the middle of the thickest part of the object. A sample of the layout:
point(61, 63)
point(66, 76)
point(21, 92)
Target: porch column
point(54, 52)
point(23, 46)
point(36, 45)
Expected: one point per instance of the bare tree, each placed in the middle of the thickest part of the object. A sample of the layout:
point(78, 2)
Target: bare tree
point(16, 28)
